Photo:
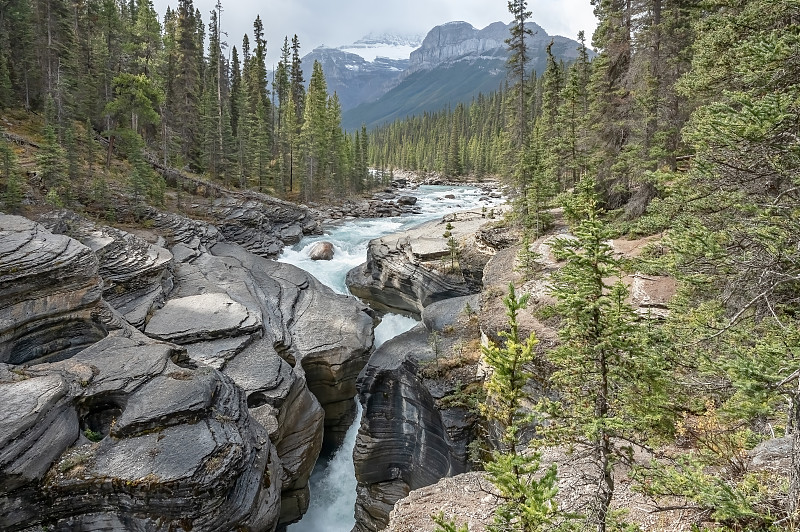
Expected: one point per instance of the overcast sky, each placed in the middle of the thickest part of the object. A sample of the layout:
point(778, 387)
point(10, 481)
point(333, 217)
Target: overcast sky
point(335, 23)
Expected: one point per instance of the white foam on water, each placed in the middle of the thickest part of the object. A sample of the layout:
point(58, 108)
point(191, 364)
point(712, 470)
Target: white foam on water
point(333, 482)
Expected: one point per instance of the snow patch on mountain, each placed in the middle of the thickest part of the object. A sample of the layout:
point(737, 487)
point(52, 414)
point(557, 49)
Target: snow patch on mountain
point(370, 53)
point(388, 45)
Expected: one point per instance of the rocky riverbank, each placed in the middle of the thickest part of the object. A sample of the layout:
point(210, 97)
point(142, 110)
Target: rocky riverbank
point(171, 377)
point(410, 433)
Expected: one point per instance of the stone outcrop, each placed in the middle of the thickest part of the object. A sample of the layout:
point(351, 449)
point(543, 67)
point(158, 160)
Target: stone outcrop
point(459, 41)
point(205, 422)
point(126, 435)
point(292, 344)
point(408, 271)
point(468, 499)
point(383, 204)
point(50, 293)
point(136, 274)
point(410, 436)
point(207, 316)
point(263, 226)
point(258, 223)
point(402, 444)
point(325, 335)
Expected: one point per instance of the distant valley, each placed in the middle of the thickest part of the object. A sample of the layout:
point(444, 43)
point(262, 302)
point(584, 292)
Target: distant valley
point(381, 78)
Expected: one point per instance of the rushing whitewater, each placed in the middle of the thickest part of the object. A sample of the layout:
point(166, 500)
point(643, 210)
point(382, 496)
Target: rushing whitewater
point(333, 483)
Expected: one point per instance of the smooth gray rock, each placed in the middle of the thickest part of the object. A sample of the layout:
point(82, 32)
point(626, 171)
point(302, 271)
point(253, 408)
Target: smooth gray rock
point(394, 279)
point(297, 420)
point(407, 200)
point(177, 447)
point(50, 293)
point(325, 335)
point(39, 423)
point(439, 315)
point(402, 442)
point(202, 317)
point(298, 348)
point(179, 397)
point(216, 353)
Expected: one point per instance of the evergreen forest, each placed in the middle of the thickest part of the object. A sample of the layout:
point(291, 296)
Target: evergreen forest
point(168, 93)
point(683, 129)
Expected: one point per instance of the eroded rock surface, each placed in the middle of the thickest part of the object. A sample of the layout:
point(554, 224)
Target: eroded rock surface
point(411, 434)
point(108, 428)
point(50, 293)
point(121, 433)
point(324, 335)
point(410, 270)
point(136, 274)
point(202, 317)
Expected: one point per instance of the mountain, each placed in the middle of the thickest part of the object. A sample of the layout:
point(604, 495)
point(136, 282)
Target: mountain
point(367, 69)
point(453, 64)
point(387, 45)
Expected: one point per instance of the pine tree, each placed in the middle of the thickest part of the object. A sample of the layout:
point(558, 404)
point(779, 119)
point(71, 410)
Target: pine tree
point(737, 242)
point(6, 92)
point(528, 501)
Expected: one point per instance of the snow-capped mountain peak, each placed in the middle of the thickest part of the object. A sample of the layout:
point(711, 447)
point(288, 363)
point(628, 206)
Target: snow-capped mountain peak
point(388, 45)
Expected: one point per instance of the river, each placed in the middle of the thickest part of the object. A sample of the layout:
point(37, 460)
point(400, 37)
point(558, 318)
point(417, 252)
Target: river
point(333, 483)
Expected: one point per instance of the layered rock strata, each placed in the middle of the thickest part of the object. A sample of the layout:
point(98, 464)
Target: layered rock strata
point(293, 345)
point(108, 428)
point(408, 271)
point(136, 274)
point(125, 435)
point(410, 436)
point(50, 293)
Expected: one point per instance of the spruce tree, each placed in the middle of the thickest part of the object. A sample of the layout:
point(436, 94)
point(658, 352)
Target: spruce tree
point(297, 83)
point(528, 502)
point(315, 133)
point(605, 377)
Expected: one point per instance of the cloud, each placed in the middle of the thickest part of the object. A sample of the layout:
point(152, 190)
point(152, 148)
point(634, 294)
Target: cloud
point(318, 22)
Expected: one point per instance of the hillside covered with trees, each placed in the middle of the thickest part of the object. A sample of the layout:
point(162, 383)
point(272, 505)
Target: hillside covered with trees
point(683, 129)
point(166, 93)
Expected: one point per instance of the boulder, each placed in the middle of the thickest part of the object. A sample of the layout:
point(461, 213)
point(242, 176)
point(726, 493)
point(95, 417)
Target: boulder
point(321, 251)
point(407, 200)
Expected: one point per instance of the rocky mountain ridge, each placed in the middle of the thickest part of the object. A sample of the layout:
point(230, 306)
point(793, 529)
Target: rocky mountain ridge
point(454, 63)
